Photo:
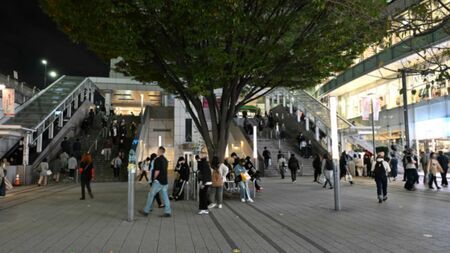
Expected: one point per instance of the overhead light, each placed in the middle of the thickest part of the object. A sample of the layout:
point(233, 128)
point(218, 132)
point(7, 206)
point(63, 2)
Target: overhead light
point(2, 86)
point(44, 61)
point(52, 74)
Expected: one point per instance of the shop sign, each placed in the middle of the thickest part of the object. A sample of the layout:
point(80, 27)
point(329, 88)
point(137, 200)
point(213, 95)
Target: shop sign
point(8, 102)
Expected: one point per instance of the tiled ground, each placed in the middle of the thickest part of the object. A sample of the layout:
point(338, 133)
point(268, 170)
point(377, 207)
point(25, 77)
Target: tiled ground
point(286, 217)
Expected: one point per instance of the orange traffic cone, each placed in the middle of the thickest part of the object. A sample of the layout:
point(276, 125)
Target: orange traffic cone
point(17, 181)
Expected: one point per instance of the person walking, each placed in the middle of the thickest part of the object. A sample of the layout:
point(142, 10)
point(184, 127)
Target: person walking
point(267, 158)
point(253, 172)
point(240, 170)
point(219, 173)
point(424, 159)
point(294, 166)
point(380, 170)
point(144, 169)
point(176, 179)
point(117, 164)
point(351, 164)
point(359, 165)
point(317, 166)
point(107, 149)
point(434, 167)
point(205, 181)
point(282, 164)
point(151, 172)
point(56, 165)
point(160, 184)
point(327, 170)
point(86, 175)
point(367, 165)
point(394, 166)
point(72, 164)
point(443, 162)
point(43, 172)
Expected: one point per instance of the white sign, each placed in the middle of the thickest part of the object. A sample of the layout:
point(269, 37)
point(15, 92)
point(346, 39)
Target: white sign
point(367, 108)
point(8, 102)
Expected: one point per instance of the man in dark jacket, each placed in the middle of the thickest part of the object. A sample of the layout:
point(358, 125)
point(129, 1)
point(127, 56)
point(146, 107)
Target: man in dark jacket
point(184, 178)
point(443, 161)
point(293, 165)
point(160, 184)
point(205, 180)
point(266, 155)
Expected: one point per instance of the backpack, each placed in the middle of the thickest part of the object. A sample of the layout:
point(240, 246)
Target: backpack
point(329, 165)
point(379, 169)
point(217, 180)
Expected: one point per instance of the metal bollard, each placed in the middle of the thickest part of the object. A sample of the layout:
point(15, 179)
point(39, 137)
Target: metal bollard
point(131, 174)
point(187, 191)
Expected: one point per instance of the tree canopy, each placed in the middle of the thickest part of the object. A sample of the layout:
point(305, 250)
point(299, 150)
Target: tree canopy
point(243, 47)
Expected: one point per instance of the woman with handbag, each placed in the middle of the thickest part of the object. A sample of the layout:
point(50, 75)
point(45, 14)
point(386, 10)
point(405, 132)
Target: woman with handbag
point(219, 172)
point(242, 178)
point(86, 175)
point(43, 172)
point(204, 179)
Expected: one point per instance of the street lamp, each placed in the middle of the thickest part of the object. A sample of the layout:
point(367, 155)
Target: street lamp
point(52, 74)
point(44, 62)
point(372, 108)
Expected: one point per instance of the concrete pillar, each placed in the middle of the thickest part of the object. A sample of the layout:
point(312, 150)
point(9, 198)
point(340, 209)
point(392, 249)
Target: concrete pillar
point(298, 116)
point(92, 92)
point(83, 93)
point(291, 108)
point(75, 102)
point(165, 100)
point(39, 144)
point(273, 100)
point(278, 98)
point(26, 149)
point(61, 119)
point(108, 102)
point(317, 132)
point(329, 144)
point(267, 105)
point(142, 103)
point(69, 111)
point(50, 130)
point(307, 123)
point(343, 143)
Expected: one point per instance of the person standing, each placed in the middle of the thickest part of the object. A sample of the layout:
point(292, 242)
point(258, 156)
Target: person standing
point(380, 169)
point(424, 162)
point(205, 181)
point(359, 165)
point(43, 174)
point(317, 166)
point(243, 183)
point(184, 178)
point(177, 176)
point(266, 156)
point(351, 164)
point(86, 175)
point(144, 169)
point(443, 162)
point(160, 184)
point(368, 165)
point(56, 167)
point(294, 166)
point(219, 172)
point(434, 167)
point(72, 166)
point(282, 164)
point(327, 170)
point(410, 170)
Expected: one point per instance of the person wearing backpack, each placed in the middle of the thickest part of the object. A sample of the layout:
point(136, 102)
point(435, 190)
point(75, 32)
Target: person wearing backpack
point(327, 170)
point(294, 166)
point(380, 169)
point(219, 172)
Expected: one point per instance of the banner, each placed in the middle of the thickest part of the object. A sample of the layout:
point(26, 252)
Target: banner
point(376, 108)
point(8, 102)
point(365, 108)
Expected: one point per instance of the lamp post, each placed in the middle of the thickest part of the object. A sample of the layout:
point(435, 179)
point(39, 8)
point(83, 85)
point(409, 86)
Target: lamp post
point(372, 108)
point(44, 62)
point(53, 74)
point(335, 153)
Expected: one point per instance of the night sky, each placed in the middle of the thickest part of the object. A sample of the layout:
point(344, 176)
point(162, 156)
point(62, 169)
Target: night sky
point(27, 35)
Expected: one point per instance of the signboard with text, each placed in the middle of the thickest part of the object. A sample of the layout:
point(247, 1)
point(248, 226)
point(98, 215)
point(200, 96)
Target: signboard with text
point(8, 102)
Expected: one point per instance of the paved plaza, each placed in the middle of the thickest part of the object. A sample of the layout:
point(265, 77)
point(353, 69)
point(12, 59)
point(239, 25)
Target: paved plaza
point(286, 217)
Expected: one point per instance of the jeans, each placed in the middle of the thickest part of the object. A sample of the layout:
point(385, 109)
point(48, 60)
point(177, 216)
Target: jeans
point(381, 182)
point(107, 154)
point(116, 171)
point(328, 177)
point(433, 179)
point(444, 177)
point(317, 173)
point(216, 195)
point(282, 172)
point(143, 174)
point(266, 163)
point(203, 197)
point(294, 174)
point(244, 191)
point(156, 188)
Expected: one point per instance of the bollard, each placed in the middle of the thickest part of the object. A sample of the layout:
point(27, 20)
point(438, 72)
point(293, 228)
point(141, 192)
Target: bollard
point(131, 174)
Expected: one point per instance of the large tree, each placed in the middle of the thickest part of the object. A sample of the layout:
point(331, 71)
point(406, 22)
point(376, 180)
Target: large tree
point(243, 48)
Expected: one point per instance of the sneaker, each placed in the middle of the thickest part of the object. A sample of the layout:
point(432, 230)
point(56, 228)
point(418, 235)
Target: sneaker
point(250, 200)
point(219, 206)
point(143, 213)
point(331, 187)
point(294, 181)
point(438, 188)
point(243, 200)
point(380, 200)
point(385, 198)
point(212, 205)
point(166, 215)
point(203, 212)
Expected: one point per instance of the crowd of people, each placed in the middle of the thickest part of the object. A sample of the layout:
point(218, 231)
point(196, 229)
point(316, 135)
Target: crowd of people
point(212, 176)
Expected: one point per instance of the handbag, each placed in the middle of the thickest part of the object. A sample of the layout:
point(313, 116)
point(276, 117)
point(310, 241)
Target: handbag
point(245, 176)
point(321, 179)
point(49, 172)
point(348, 177)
